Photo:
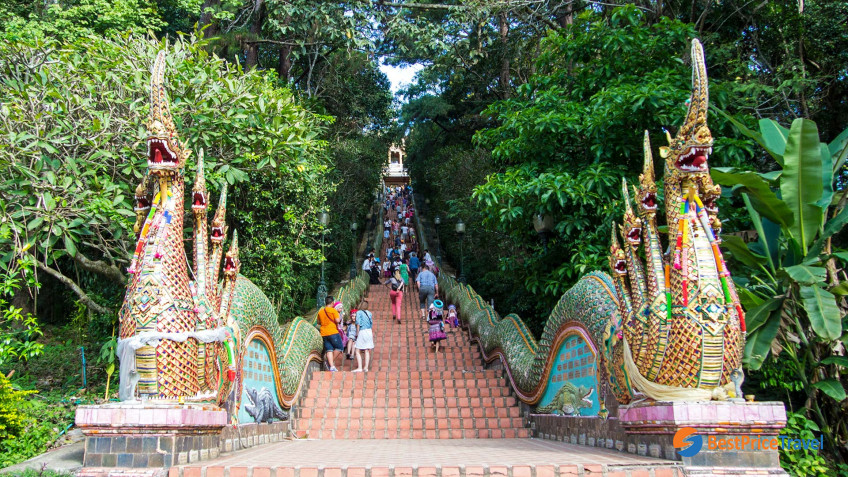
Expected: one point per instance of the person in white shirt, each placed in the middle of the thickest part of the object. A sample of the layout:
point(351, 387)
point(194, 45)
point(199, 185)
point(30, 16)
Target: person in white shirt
point(404, 230)
point(368, 263)
point(427, 257)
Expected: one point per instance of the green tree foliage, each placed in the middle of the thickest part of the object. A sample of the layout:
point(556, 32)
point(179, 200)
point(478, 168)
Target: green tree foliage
point(585, 105)
point(73, 149)
point(71, 19)
point(789, 280)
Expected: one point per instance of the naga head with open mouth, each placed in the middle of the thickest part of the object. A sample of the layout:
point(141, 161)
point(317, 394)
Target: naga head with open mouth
point(165, 154)
point(199, 193)
point(711, 194)
point(631, 229)
point(617, 261)
point(646, 194)
point(219, 226)
point(142, 204)
point(142, 197)
point(689, 151)
point(232, 264)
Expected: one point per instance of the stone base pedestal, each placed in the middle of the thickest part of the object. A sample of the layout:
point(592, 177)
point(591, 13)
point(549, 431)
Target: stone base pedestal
point(149, 435)
point(734, 438)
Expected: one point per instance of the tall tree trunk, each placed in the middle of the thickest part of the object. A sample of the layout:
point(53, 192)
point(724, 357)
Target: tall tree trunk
point(284, 64)
point(252, 55)
point(503, 26)
point(206, 17)
point(565, 16)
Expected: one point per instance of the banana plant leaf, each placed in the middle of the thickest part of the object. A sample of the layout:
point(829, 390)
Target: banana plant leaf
point(801, 182)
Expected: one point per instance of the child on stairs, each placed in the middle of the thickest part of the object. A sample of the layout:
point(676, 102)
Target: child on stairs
point(437, 324)
point(350, 330)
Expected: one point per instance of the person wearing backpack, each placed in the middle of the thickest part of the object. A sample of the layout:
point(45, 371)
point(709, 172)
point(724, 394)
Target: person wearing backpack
point(364, 336)
point(329, 319)
point(396, 295)
point(414, 264)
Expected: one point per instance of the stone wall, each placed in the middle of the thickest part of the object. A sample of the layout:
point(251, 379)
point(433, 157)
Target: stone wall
point(594, 432)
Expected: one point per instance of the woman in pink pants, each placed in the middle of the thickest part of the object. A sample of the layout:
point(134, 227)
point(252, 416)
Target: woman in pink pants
point(396, 282)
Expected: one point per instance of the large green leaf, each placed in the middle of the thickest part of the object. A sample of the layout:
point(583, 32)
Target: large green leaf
point(759, 341)
point(764, 240)
point(801, 182)
point(832, 388)
point(774, 136)
point(764, 200)
point(827, 178)
point(737, 247)
point(821, 308)
point(839, 150)
point(837, 360)
point(757, 317)
point(806, 275)
point(832, 226)
point(753, 135)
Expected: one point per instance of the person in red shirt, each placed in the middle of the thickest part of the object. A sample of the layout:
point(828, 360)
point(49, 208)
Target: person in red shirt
point(328, 320)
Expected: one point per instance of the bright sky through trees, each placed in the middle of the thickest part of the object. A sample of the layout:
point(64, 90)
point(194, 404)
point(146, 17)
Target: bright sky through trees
point(400, 76)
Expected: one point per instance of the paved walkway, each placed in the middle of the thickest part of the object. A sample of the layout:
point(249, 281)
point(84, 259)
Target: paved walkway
point(428, 457)
point(424, 452)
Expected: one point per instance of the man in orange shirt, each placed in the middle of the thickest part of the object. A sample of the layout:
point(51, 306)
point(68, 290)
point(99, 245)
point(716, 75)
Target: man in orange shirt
point(328, 319)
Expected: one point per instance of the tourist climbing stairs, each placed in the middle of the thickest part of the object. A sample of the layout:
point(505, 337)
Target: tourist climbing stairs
point(410, 391)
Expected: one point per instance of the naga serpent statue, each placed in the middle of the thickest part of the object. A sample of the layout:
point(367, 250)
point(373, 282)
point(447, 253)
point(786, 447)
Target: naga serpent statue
point(184, 335)
point(668, 327)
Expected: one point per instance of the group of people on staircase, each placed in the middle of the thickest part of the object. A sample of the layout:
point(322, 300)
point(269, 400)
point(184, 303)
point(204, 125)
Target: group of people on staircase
point(352, 335)
point(401, 268)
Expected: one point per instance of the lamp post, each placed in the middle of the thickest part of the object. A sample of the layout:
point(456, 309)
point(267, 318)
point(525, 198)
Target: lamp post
point(353, 228)
point(438, 222)
point(543, 225)
point(324, 220)
point(460, 230)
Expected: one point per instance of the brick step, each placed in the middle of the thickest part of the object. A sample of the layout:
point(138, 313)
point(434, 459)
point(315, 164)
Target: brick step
point(410, 388)
point(423, 365)
point(324, 433)
point(409, 392)
point(414, 390)
point(417, 376)
point(429, 355)
point(393, 412)
point(407, 470)
point(420, 345)
point(350, 379)
point(380, 375)
point(321, 402)
point(368, 423)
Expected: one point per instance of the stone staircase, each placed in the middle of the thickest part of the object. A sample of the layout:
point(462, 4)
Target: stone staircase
point(410, 391)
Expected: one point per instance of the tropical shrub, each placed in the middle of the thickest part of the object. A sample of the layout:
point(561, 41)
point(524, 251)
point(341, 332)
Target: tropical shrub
point(18, 331)
point(72, 150)
point(40, 419)
point(790, 283)
point(12, 421)
point(802, 461)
